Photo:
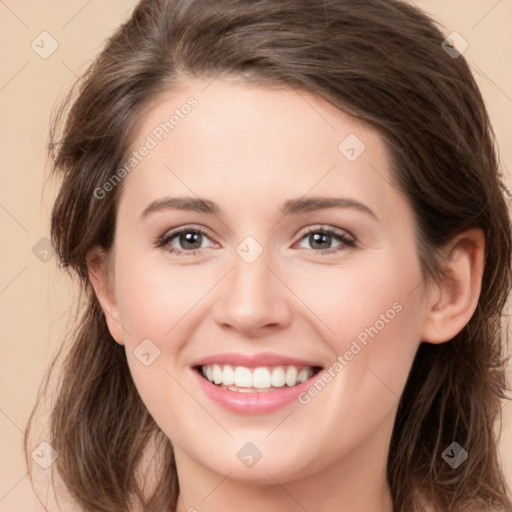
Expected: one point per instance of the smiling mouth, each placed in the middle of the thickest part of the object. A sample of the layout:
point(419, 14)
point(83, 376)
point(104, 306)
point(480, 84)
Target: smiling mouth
point(256, 380)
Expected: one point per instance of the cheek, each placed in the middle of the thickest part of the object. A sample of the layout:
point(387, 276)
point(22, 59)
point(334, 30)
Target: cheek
point(372, 297)
point(370, 319)
point(160, 306)
point(155, 305)
point(154, 299)
point(371, 323)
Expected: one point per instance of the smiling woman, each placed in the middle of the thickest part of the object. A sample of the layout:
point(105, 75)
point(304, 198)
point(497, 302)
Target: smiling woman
point(294, 295)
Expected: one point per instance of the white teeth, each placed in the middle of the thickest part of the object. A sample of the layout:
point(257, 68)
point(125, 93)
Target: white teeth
point(303, 375)
point(291, 376)
point(278, 377)
point(243, 377)
point(261, 378)
point(244, 390)
point(228, 377)
point(217, 374)
point(251, 380)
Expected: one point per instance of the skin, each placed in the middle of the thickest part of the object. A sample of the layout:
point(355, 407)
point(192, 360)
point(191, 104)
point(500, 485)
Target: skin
point(249, 149)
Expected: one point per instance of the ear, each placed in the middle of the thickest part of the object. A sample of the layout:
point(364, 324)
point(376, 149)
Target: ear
point(453, 297)
point(101, 277)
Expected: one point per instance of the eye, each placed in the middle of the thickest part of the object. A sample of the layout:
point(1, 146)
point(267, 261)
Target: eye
point(321, 239)
point(186, 241)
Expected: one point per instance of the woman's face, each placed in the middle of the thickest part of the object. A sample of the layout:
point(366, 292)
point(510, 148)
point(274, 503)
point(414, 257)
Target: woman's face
point(296, 253)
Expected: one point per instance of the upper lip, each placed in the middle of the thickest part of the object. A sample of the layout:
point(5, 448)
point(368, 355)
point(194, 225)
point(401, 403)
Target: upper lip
point(254, 360)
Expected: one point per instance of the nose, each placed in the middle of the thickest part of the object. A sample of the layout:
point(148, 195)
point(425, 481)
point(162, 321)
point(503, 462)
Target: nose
point(252, 299)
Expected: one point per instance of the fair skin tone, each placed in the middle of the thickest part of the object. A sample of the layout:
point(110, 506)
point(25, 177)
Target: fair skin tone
point(248, 150)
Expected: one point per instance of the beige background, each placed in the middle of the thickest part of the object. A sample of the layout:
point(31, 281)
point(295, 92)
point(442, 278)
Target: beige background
point(34, 295)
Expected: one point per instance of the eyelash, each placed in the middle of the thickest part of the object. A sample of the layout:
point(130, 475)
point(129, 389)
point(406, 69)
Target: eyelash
point(346, 241)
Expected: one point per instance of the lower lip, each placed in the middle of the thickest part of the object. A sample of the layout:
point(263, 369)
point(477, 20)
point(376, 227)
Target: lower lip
point(253, 403)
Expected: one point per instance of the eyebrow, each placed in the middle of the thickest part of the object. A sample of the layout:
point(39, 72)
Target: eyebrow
point(290, 207)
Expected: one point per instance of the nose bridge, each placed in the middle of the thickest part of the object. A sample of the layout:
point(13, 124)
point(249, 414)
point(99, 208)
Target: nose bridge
point(251, 296)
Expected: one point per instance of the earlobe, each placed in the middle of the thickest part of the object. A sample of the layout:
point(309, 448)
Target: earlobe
point(100, 276)
point(453, 298)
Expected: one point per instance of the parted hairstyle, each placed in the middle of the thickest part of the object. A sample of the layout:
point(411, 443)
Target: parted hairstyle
point(381, 61)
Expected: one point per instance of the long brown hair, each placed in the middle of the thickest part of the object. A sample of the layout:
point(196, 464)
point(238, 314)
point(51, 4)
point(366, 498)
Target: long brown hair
point(383, 62)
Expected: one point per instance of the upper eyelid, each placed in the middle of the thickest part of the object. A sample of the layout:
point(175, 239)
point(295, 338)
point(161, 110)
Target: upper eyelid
point(328, 229)
point(176, 231)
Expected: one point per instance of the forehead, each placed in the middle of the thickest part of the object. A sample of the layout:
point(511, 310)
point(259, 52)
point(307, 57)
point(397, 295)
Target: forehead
point(255, 145)
point(231, 111)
